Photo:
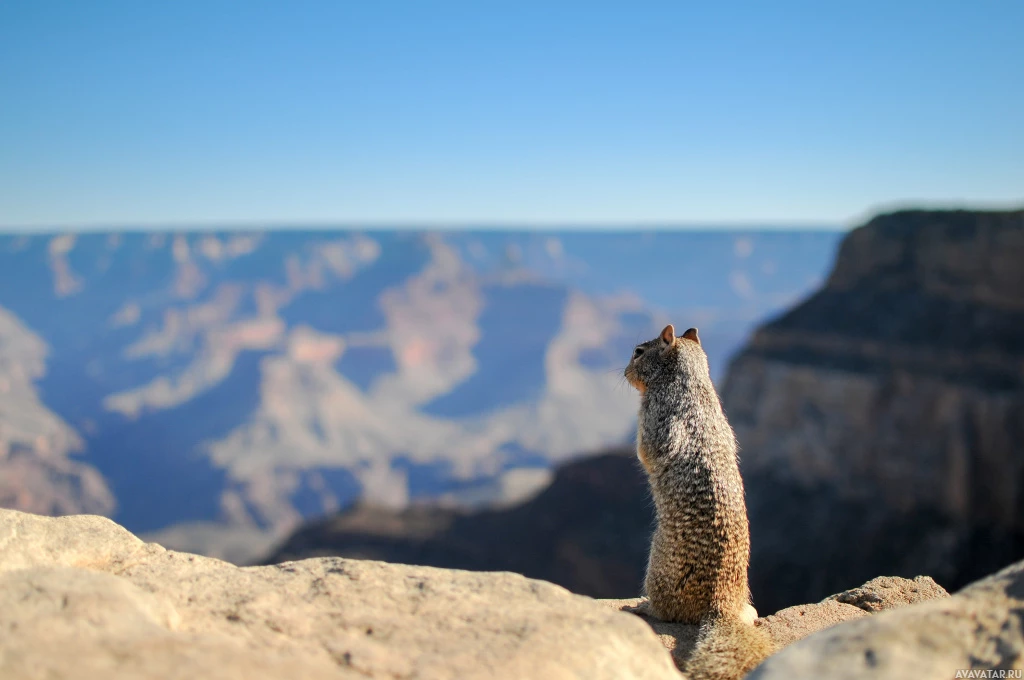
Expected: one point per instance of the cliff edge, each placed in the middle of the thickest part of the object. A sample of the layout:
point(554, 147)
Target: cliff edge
point(881, 421)
point(81, 597)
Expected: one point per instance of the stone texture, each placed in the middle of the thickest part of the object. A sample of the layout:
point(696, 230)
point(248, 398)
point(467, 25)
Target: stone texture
point(980, 628)
point(783, 627)
point(881, 420)
point(890, 592)
point(80, 597)
point(795, 623)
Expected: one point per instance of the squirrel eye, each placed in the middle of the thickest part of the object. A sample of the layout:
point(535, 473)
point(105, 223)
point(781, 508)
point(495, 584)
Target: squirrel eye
point(638, 351)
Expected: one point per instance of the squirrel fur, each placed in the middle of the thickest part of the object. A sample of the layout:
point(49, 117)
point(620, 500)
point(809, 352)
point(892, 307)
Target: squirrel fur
point(700, 551)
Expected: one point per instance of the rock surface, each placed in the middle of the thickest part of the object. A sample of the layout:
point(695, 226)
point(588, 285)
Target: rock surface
point(795, 623)
point(881, 421)
point(81, 597)
point(980, 628)
point(890, 592)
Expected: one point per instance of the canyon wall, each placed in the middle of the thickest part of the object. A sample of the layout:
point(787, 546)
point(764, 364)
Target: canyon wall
point(881, 421)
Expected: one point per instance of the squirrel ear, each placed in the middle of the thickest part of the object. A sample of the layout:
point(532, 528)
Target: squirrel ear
point(668, 336)
point(691, 334)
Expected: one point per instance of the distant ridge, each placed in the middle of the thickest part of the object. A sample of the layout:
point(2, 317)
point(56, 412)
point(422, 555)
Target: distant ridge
point(220, 388)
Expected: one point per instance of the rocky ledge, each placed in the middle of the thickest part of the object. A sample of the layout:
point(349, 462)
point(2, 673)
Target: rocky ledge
point(81, 597)
point(795, 623)
point(979, 629)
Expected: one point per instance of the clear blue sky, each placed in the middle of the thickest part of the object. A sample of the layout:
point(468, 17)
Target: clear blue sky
point(185, 112)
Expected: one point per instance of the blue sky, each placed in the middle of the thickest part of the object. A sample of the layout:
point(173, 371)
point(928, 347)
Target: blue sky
point(143, 113)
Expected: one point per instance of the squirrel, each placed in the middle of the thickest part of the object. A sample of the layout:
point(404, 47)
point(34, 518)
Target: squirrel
point(700, 551)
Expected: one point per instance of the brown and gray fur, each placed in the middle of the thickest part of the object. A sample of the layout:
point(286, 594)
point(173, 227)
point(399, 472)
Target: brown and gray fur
point(700, 551)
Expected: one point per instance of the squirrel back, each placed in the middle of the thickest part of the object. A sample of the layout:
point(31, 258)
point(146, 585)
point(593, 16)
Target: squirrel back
point(700, 551)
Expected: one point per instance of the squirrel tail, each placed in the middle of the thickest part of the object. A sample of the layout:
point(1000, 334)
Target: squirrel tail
point(727, 648)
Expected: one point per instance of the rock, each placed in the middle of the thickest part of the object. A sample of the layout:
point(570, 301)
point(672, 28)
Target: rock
point(37, 470)
point(979, 628)
point(795, 623)
point(890, 592)
point(881, 420)
point(678, 638)
point(80, 597)
point(784, 627)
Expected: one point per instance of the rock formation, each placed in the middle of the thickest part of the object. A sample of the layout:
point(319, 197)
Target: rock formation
point(881, 421)
point(82, 598)
point(794, 623)
point(979, 629)
point(37, 472)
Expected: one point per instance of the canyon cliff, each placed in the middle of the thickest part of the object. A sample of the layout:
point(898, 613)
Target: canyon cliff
point(881, 421)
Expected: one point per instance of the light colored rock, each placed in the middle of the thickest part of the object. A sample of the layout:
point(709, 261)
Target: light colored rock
point(82, 598)
point(87, 541)
point(794, 623)
point(783, 627)
point(890, 592)
point(981, 627)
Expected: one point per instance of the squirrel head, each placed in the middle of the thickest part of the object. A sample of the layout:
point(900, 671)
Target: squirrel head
point(660, 360)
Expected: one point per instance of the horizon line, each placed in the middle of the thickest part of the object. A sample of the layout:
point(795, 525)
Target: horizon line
point(491, 224)
point(414, 226)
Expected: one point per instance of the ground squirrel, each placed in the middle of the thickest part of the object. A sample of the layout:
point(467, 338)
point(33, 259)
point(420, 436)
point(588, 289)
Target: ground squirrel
point(697, 570)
